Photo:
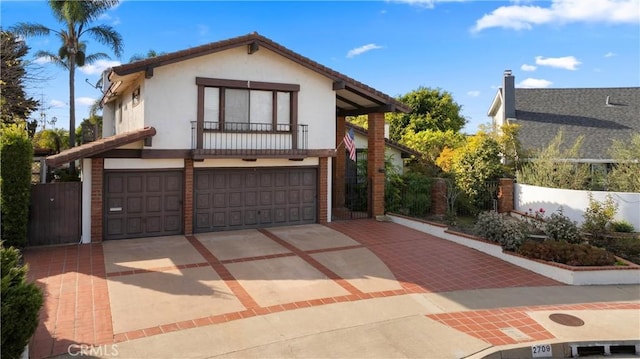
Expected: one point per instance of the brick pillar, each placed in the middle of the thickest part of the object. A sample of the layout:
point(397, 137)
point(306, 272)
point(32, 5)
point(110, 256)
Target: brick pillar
point(323, 173)
point(97, 199)
point(338, 187)
point(375, 158)
point(188, 197)
point(505, 195)
point(438, 197)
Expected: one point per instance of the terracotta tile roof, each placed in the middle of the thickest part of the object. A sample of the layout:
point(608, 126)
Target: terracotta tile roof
point(102, 145)
point(261, 41)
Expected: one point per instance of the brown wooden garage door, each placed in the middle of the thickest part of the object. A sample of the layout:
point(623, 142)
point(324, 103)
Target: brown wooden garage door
point(142, 204)
point(227, 199)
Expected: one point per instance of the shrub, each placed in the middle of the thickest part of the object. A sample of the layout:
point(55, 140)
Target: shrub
point(622, 226)
point(567, 253)
point(496, 228)
point(560, 228)
point(599, 215)
point(627, 248)
point(21, 302)
point(16, 153)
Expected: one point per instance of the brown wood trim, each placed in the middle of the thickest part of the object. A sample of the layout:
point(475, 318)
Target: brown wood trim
point(200, 118)
point(289, 154)
point(120, 153)
point(349, 102)
point(148, 72)
point(338, 85)
point(366, 110)
point(293, 114)
point(221, 108)
point(155, 153)
point(253, 47)
point(242, 84)
point(369, 96)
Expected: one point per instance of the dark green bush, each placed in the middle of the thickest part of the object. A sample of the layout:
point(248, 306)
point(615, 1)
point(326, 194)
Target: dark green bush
point(622, 226)
point(627, 247)
point(16, 153)
point(21, 302)
point(567, 253)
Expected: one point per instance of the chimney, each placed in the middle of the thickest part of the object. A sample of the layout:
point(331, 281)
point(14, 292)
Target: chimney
point(509, 95)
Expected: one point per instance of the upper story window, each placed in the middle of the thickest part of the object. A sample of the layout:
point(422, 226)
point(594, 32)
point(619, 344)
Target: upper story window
point(231, 105)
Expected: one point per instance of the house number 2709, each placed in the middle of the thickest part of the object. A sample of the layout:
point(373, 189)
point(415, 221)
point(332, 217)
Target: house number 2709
point(541, 351)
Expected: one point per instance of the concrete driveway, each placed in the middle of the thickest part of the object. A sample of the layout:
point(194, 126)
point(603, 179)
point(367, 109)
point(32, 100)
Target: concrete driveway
point(311, 284)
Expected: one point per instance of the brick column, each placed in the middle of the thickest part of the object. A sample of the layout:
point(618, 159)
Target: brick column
point(323, 173)
point(188, 197)
point(438, 197)
point(375, 158)
point(97, 198)
point(505, 195)
point(338, 187)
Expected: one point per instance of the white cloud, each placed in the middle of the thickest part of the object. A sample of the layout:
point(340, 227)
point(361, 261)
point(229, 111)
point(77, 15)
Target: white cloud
point(524, 17)
point(474, 93)
point(526, 67)
point(115, 20)
point(610, 54)
point(362, 49)
point(58, 104)
point(530, 82)
point(99, 66)
point(566, 62)
point(85, 101)
point(42, 60)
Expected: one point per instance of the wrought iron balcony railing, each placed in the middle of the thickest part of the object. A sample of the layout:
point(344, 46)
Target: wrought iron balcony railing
point(248, 139)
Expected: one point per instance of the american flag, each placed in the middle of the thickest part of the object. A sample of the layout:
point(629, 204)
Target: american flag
point(350, 145)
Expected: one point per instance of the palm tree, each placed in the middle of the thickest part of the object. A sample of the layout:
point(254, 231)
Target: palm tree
point(151, 53)
point(76, 16)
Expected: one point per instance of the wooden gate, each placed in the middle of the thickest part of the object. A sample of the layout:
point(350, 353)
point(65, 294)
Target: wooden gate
point(55, 213)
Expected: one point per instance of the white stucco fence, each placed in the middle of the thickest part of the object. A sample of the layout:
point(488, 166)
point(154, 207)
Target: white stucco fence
point(574, 203)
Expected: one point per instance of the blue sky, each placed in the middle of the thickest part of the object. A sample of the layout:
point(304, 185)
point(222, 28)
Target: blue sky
point(394, 46)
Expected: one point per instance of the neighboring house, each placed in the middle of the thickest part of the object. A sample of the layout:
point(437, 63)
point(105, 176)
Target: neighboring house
point(240, 133)
point(600, 114)
point(394, 152)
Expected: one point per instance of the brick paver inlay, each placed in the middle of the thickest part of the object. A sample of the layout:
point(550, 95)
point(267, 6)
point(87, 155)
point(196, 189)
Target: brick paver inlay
point(77, 308)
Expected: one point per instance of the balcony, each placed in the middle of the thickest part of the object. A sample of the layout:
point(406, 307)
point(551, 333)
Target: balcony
point(248, 140)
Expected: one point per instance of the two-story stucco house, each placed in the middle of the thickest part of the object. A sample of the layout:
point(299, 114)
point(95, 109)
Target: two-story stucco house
point(240, 133)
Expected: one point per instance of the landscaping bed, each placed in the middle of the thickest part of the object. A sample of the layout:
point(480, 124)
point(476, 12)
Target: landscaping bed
point(620, 272)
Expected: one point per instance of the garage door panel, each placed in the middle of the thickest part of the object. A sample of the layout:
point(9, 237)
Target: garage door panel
point(134, 205)
point(219, 219)
point(253, 198)
point(142, 203)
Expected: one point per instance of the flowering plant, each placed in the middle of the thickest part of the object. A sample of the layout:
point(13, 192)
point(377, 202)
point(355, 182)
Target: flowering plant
point(535, 220)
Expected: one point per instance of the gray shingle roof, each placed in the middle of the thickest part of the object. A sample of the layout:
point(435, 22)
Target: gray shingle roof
point(543, 112)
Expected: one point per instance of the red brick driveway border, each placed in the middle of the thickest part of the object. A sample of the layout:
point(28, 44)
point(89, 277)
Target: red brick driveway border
point(77, 309)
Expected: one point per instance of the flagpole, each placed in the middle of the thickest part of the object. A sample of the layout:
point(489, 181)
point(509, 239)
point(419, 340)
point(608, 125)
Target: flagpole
point(340, 144)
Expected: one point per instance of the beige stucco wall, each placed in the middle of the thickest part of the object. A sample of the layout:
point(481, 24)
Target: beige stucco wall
point(394, 154)
point(132, 115)
point(141, 164)
point(170, 96)
point(261, 162)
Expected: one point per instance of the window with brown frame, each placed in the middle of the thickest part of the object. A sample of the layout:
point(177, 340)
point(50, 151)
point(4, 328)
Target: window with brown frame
point(246, 106)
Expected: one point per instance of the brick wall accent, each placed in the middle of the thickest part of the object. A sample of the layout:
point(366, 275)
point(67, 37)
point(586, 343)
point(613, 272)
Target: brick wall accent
point(97, 188)
point(338, 186)
point(323, 172)
point(375, 158)
point(438, 197)
point(188, 197)
point(505, 195)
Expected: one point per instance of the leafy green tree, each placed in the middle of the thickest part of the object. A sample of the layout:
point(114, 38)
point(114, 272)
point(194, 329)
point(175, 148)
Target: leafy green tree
point(432, 110)
point(625, 175)
point(555, 167)
point(148, 55)
point(16, 106)
point(477, 162)
point(56, 139)
point(93, 120)
point(431, 143)
point(21, 302)
point(76, 16)
point(16, 153)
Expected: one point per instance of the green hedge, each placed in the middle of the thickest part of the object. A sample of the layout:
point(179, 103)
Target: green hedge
point(16, 152)
point(21, 302)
